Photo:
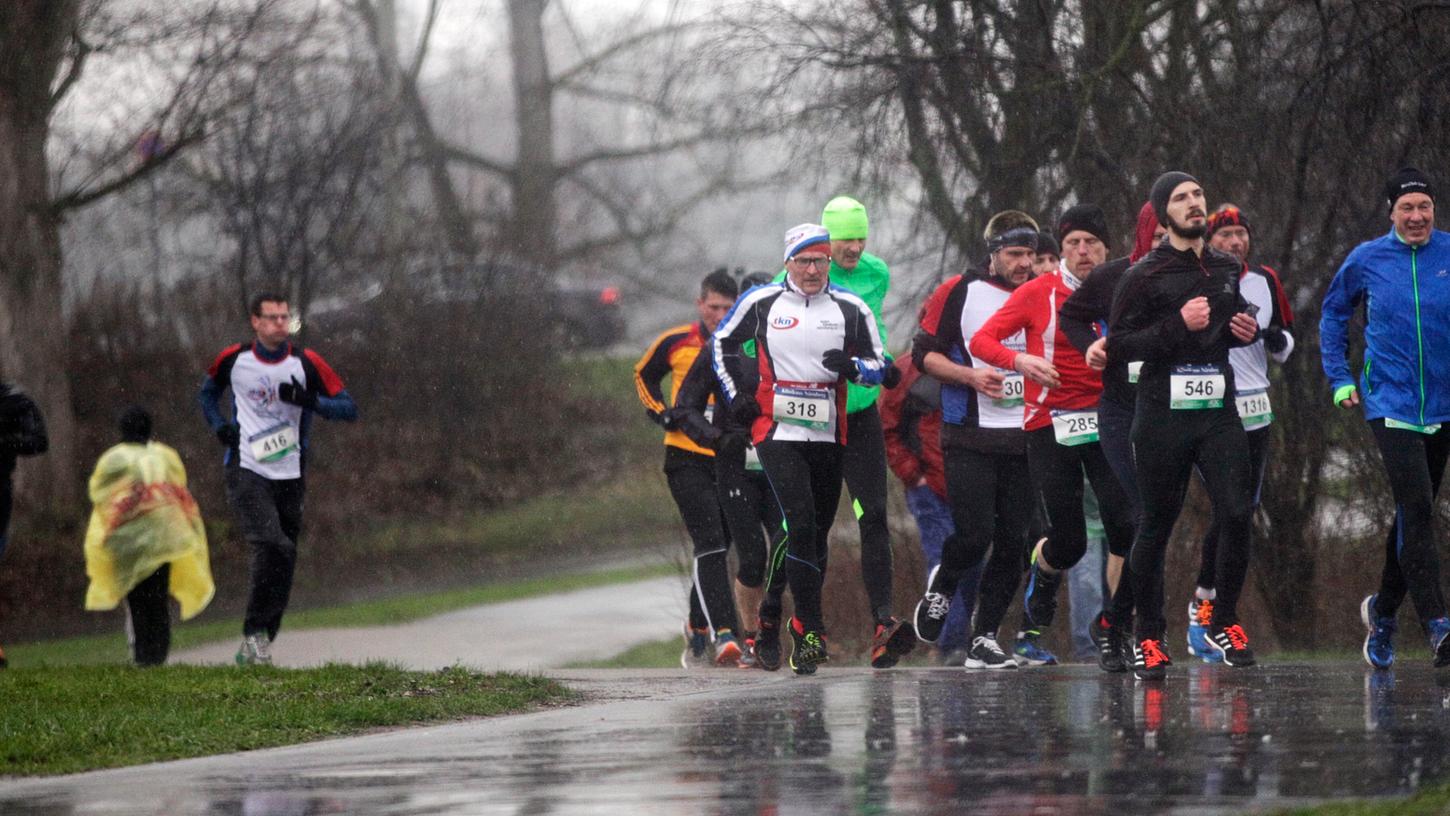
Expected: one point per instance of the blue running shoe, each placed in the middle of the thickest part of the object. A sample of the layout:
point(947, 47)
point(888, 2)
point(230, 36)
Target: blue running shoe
point(1040, 598)
point(1379, 642)
point(1200, 617)
point(1440, 641)
point(1028, 652)
point(697, 645)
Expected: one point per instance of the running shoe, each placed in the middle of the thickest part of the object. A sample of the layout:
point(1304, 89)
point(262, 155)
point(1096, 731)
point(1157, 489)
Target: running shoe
point(893, 640)
point(727, 650)
point(1200, 617)
point(1110, 653)
point(256, 650)
point(1040, 598)
point(1232, 644)
point(1028, 652)
point(1440, 641)
point(697, 648)
point(986, 654)
point(747, 652)
point(808, 648)
point(1150, 662)
point(767, 645)
point(1379, 639)
point(931, 616)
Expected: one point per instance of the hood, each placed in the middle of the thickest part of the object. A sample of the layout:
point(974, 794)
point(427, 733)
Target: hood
point(1143, 235)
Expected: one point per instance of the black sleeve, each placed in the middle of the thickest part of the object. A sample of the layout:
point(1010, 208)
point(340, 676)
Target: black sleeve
point(1134, 331)
point(1083, 308)
point(941, 325)
point(692, 398)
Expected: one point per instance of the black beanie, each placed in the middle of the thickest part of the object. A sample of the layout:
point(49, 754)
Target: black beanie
point(1086, 217)
point(1163, 190)
point(1407, 180)
point(1046, 244)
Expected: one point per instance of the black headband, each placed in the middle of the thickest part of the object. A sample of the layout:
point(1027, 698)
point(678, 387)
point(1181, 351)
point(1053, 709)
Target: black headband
point(1016, 237)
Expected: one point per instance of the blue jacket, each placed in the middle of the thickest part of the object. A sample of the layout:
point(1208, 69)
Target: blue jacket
point(1406, 290)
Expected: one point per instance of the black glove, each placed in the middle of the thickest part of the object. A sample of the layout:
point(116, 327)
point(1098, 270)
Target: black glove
point(731, 444)
point(838, 361)
point(293, 393)
point(891, 377)
point(1274, 339)
point(744, 410)
point(229, 434)
point(672, 418)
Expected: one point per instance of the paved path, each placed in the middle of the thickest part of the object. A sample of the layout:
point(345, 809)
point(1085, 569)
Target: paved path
point(529, 634)
point(1046, 741)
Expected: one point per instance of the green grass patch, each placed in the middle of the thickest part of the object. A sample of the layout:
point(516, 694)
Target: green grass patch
point(82, 718)
point(657, 654)
point(1430, 802)
point(103, 649)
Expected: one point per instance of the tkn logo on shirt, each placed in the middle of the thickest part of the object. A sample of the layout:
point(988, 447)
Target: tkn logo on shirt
point(784, 322)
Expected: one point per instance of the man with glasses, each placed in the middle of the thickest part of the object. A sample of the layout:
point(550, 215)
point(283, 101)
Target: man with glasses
point(276, 388)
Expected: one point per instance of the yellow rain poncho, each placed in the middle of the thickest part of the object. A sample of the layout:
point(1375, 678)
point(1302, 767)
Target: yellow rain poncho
point(145, 517)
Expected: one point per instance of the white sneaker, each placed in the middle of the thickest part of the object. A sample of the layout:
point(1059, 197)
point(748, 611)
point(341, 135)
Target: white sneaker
point(256, 650)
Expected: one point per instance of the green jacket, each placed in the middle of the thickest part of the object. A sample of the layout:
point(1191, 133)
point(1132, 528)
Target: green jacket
point(869, 280)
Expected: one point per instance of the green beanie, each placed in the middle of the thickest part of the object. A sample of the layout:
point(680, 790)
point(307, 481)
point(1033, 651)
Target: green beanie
point(845, 218)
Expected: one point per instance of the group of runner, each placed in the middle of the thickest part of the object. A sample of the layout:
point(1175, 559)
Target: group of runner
point(1050, 369)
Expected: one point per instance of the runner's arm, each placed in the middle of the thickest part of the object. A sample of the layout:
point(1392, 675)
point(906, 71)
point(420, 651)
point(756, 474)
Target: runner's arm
point(1340, 301)
point(1133, 333)
point(1080, 313)
point(648, 373)
point(1278, 339)
point(692, 398)
point(333, 402)
point(732, 333)
point(1014, 316)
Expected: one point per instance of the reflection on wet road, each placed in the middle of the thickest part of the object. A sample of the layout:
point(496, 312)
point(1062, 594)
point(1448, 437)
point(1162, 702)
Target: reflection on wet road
point(1067, 740)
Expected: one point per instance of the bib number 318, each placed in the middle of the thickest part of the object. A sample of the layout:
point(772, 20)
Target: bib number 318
point(806, 407)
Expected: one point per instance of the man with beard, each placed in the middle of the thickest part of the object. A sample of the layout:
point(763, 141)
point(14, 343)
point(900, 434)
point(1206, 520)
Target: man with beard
point(1179, 311)
point(983, 444)
point(1229, 233)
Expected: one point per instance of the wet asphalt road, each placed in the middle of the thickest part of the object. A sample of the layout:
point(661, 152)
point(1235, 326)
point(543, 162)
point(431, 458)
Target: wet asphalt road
point(1043, 741)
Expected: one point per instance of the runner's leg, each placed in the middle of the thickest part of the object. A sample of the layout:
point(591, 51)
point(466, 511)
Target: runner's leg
point(691, 477)
point(1163, 451)
point(151, 618)
point(865, 474)
point(1415, 463)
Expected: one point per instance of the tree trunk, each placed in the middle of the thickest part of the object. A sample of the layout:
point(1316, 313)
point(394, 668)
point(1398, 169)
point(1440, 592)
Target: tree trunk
point(33, 335)
point(535, 217)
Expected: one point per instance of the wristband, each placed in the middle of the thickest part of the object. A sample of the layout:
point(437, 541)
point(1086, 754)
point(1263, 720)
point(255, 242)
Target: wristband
point(1343, 393)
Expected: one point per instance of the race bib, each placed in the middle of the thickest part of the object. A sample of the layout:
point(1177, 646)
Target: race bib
point(803, 406)
point(1013, 388)
point(1194, 387)
point(1254, 409)
point(1075, 427)
point(1135, 370)
point(752, 458)
point(1410, 426)
point(274, 443)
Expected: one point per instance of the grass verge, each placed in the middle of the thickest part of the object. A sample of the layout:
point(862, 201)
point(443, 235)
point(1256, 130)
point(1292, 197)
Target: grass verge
point(1430, 802)
point(657, 654)
point(103, 649)
point(83, 718)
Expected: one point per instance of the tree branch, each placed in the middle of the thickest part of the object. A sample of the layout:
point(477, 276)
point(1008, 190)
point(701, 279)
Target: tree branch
point(82, 196)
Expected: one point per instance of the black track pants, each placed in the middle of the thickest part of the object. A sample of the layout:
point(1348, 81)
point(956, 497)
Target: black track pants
point(691, 477)
point(1258, 461)
point(864, 468)
point(1167, 445)
point(752, 515)
point(269, 515)
point(1415, 463)
point(1057, 474)
point(151, 618)
point(806, 478)
point(991, 501)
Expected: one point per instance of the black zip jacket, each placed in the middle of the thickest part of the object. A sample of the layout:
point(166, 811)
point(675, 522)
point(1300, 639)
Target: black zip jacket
point(692, 402)
point(1145, 323)
point(1080, 315)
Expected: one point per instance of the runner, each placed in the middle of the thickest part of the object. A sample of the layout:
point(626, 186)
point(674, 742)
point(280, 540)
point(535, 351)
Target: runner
point(1060, 415)
point(1406, 366)
point(811, 337)
point(690, 471)
point(1084, 320)
point(22, 433)
point(752, 516)
point(1049, 254)
point(276, 388)
point(983, 445)
point(1229, 233)
point(867, 276)
point(911, 421)
point(1179, 310)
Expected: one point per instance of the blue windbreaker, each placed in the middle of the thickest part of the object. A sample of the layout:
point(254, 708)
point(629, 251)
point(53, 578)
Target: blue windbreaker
point(1406, 289)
